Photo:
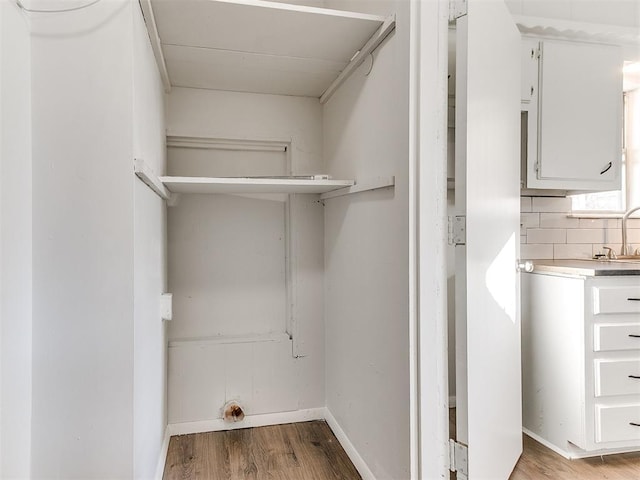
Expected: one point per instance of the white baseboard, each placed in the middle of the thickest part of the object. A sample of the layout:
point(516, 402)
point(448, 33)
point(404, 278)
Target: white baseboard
point(358, 461)
point(261, 421)
point(249, 421)
point(575, 453)
point(164, 449)
point(546, 443)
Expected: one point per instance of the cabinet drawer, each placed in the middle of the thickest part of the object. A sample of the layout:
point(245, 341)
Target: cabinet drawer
point(616, 336)
point(616, 299)
point(617, 423)
point(617, 377)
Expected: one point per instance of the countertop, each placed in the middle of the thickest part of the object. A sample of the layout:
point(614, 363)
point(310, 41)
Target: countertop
point(585, 268)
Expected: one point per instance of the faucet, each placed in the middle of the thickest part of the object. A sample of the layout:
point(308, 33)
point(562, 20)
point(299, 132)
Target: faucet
point(626, 215)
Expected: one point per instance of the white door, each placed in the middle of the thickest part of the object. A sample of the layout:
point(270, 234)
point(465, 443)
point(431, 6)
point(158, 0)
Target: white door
point(488, 380)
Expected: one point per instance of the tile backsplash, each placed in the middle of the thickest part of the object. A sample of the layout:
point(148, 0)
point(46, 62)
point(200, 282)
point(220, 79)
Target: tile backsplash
point(547, 232)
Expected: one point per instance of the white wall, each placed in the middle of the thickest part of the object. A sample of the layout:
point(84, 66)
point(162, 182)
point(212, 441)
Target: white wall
point(82, 239)
point(264, 376)
point(98, 357)
point(366, 134)
point(149, 251)
point(15, 243)
point(373, 7)
point(624, 13)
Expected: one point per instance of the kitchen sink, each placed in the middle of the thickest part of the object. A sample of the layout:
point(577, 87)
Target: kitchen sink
point(621, 259)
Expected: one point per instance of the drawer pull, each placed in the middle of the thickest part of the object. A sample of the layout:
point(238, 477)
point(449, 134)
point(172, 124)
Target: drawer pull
point(633, 299)
point(633, 424)
point(634, 335)
point(637, 377)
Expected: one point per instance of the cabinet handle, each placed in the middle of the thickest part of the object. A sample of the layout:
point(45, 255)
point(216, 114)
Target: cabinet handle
point(606, 168)
point(633, 299)
point(633, 424)
point(633, 335)
point(637, 377)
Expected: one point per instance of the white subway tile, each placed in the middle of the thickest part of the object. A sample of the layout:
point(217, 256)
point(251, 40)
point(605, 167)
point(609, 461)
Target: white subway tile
point(585, 235)
point(525, 204)
point(633, 223)
point(599, 223)
point(534, 252)
point(613, 235)
point(546, 235)
point(593, 235)
point(551, 204)
point(582, 250)
point(633, 236)
point(557, 220)
point(528, 220)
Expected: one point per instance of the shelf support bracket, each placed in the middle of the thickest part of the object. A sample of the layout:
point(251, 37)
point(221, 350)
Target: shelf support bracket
point(144, 173)
point(457, 9)
point(385, 29)
point(374, 184)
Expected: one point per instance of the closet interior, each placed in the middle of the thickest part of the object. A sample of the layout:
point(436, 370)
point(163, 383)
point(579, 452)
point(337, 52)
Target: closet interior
point(286, 184)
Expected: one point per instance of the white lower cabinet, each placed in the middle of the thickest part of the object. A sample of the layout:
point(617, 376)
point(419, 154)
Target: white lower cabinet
point(581, 363)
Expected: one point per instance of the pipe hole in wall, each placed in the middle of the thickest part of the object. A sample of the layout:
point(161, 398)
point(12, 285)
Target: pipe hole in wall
point(233, 412)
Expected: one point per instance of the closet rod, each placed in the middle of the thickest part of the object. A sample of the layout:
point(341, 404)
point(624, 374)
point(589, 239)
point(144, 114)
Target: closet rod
point(385, 29)
point(156, 44)
point(212, 143)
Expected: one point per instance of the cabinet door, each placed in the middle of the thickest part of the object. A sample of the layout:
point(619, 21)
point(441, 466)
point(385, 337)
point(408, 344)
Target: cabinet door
point(579, 117)
point(488, 386)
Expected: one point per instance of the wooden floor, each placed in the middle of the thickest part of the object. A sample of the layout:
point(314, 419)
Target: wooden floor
point(310, 451)
point(296, 451)
point(538, 462)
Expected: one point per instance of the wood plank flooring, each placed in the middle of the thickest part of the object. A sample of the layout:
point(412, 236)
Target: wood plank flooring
point(539, 462)
point(296, 451)
point(310, 451)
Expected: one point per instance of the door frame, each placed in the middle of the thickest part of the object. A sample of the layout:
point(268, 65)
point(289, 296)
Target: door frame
point(429, 409)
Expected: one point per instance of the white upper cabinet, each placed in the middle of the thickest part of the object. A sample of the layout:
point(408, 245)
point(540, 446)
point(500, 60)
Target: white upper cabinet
point(572, 96)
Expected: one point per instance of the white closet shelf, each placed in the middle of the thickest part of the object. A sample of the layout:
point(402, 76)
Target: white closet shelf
point(260, 46)
point(167, 186)
point(209, 185)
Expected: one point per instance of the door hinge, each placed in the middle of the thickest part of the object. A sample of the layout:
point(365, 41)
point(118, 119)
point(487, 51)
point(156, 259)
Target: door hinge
point(457, 227)
point(458, 458)
point(457, 9)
